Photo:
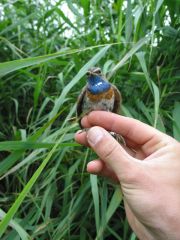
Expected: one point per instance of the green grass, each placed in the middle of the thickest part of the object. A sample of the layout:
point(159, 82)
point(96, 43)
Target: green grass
point(45, 192)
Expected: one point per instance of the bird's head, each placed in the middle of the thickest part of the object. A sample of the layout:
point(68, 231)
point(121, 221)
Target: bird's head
point(95, 71)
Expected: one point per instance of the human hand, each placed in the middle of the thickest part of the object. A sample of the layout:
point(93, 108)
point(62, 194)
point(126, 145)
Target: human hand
point(148, 170)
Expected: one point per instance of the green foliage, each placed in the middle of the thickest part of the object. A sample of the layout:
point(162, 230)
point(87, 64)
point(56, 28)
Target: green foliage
point(46, 49)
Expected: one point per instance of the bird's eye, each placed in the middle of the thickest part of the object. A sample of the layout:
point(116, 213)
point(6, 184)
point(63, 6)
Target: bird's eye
point(88, 74)
point(98, 72)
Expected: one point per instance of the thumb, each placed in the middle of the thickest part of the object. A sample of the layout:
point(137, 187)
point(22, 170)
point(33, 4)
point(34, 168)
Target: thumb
point(113, 154)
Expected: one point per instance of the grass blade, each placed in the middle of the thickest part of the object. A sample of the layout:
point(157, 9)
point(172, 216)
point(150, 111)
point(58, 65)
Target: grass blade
point(128, 55)
point(154, 89)
point(11, 66)
point(114, 203)
point(22, 233)
point(28, 145)
point(176, 121)
point(12, 211)
point(95, 194)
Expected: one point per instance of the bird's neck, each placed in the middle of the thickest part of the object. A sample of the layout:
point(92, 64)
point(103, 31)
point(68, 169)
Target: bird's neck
point(97, 85)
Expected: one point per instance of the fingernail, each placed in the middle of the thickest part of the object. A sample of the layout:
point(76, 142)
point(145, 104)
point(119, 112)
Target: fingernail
point(94, 135)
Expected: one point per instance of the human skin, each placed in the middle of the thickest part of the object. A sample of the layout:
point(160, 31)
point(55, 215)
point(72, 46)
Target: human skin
point(147, 170)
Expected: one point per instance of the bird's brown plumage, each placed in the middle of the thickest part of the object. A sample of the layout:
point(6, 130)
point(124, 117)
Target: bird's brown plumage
point(116, 105)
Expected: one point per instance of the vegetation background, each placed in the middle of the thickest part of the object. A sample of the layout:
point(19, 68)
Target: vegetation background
point(46, 48)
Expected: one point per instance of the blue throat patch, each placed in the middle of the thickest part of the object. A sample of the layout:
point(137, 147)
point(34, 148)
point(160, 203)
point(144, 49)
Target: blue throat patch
point(97, 85)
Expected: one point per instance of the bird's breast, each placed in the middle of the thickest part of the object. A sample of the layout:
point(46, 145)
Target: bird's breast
point(104, 95)
point(102, 101)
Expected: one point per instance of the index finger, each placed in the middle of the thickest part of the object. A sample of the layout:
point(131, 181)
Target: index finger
point(132, 129)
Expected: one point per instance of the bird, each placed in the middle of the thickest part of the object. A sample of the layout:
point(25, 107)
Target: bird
point(98, 94)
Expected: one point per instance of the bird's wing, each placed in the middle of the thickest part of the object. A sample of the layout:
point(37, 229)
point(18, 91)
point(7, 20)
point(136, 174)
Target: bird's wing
point(117, 100)
point(80, 100)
